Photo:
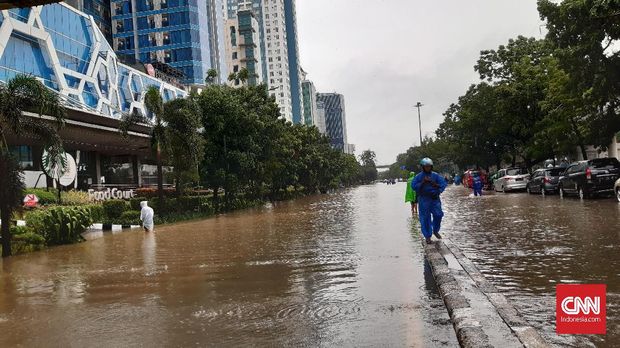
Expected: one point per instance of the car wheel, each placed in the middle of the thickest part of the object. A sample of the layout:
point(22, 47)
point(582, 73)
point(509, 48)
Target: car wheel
point(528, 189)
point(561, 192)
point(504, 189)
point(543, 192)
point(618, 195)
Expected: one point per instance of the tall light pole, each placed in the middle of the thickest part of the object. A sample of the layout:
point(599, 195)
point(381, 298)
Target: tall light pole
point(419, 105)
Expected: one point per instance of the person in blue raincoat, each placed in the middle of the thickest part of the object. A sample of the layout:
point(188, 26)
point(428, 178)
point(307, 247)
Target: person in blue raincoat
point(477, 184)
point(428, 185)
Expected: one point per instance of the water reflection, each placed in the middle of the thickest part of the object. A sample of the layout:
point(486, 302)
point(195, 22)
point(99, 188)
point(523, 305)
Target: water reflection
point(528, 244)
point(342, 269)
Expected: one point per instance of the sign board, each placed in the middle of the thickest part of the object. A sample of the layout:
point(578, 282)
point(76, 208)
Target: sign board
point(31, 200)
point(108, 194)
point(63, 168)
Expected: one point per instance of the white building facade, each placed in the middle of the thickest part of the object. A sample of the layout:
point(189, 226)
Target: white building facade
point(243, 51)
point(276, 47)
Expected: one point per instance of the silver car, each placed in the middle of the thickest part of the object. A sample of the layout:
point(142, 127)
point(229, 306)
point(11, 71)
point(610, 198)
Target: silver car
point(511, 179)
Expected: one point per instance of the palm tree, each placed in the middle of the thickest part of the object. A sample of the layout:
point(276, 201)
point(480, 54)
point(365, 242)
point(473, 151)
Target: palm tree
point(154, 105)
point(24, 94)
point(211, 76)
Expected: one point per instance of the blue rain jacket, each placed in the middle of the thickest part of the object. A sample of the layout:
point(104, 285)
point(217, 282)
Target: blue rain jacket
point(426, 190)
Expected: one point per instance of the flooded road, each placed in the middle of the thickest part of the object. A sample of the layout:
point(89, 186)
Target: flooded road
point(527, 244)
point(342, 269)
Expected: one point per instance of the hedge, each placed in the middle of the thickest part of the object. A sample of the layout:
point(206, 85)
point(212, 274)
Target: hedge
point(115, 208)
point(45, 197)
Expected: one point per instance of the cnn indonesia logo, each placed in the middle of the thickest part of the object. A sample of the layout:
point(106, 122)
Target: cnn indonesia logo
point(581, 309)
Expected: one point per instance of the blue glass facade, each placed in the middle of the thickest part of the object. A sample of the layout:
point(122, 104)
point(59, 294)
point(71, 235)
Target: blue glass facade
point(290, 19)
point(335, 118)
point(185, 34)
point(67, 51)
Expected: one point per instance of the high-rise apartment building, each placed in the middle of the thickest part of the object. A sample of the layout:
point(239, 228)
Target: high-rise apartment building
point(279, 49)
point(243, 46)
point(335, 119)
point(187, 35)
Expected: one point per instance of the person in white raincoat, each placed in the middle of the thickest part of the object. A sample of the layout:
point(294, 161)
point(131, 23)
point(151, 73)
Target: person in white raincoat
point(146, 216)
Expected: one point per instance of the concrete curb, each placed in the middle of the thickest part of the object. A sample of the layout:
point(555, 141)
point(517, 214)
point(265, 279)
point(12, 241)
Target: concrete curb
point(470, 331)
point(527, 334)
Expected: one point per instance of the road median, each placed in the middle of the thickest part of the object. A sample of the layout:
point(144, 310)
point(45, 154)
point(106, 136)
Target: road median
point(480, 314)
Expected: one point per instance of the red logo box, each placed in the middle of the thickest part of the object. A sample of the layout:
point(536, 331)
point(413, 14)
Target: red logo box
point(581, 309)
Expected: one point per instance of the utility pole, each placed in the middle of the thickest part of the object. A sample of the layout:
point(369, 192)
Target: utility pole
point(419, 105)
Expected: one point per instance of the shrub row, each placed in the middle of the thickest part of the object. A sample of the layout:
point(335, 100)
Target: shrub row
point(60, 225)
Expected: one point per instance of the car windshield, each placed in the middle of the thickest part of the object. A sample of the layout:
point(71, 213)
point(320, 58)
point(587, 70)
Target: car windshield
point(605, 163)
point(555, 171)
point(516, 171)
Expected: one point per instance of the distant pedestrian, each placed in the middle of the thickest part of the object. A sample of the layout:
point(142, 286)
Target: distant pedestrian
point(477, 184)
point(428, 186)
point(410, 195)
point(146, 216)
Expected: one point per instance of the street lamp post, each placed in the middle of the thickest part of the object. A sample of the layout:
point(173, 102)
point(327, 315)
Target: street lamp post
point(419, 105)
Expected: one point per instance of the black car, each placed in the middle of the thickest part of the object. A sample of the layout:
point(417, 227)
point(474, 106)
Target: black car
point(588, 178)
point(544, 180)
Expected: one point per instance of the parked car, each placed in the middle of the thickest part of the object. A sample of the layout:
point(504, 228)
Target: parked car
point(617, 188)
point(511, 179)
point(589, 178)
point(544, 180)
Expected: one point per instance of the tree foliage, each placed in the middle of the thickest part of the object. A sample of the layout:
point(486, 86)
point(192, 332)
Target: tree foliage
point(250, 149)
point(24, 94)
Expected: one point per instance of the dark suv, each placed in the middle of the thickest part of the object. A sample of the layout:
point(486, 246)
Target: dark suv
point(544, 180)
point(588, 178)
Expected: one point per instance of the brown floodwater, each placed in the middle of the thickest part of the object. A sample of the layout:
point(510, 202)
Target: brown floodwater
point(526, 245)
point(341, 269)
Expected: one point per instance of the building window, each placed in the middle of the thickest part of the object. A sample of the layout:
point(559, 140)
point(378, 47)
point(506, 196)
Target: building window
point(166, 37)
point(234, 55)
point(164, 4)
point(233, 36)
point(236, 68)
point(167, 56)
point(23, 154)
point(164, 20)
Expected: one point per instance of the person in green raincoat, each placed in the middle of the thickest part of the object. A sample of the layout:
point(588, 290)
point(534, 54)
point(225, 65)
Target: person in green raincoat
point(410, 195)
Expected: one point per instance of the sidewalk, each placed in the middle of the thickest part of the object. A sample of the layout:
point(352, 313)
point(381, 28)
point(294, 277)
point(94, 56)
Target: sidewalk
point(480, 314)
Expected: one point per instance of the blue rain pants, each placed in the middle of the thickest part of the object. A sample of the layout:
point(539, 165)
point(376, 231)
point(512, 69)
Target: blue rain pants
point(430, 215)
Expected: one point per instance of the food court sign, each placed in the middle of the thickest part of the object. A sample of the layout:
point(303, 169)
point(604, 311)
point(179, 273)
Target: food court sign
point(108, 194)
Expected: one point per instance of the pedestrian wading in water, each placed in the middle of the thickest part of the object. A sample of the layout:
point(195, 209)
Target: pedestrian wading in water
point(410, 195)
point(146, 216)
point(428, 186)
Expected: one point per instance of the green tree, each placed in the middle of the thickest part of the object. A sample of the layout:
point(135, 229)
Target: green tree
point(211, 76)
point(21, 95)
point(155, 107)
point(585, 34)
point(184, 145)
point(369, 166)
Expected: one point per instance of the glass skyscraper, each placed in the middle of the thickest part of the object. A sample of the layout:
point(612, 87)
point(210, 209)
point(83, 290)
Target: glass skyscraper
point(185, 34)
point(290, 18)
point(100, 10)
point(335, 118)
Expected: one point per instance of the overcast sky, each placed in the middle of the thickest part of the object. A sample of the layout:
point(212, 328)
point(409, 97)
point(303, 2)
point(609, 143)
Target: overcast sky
point(385, 55)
